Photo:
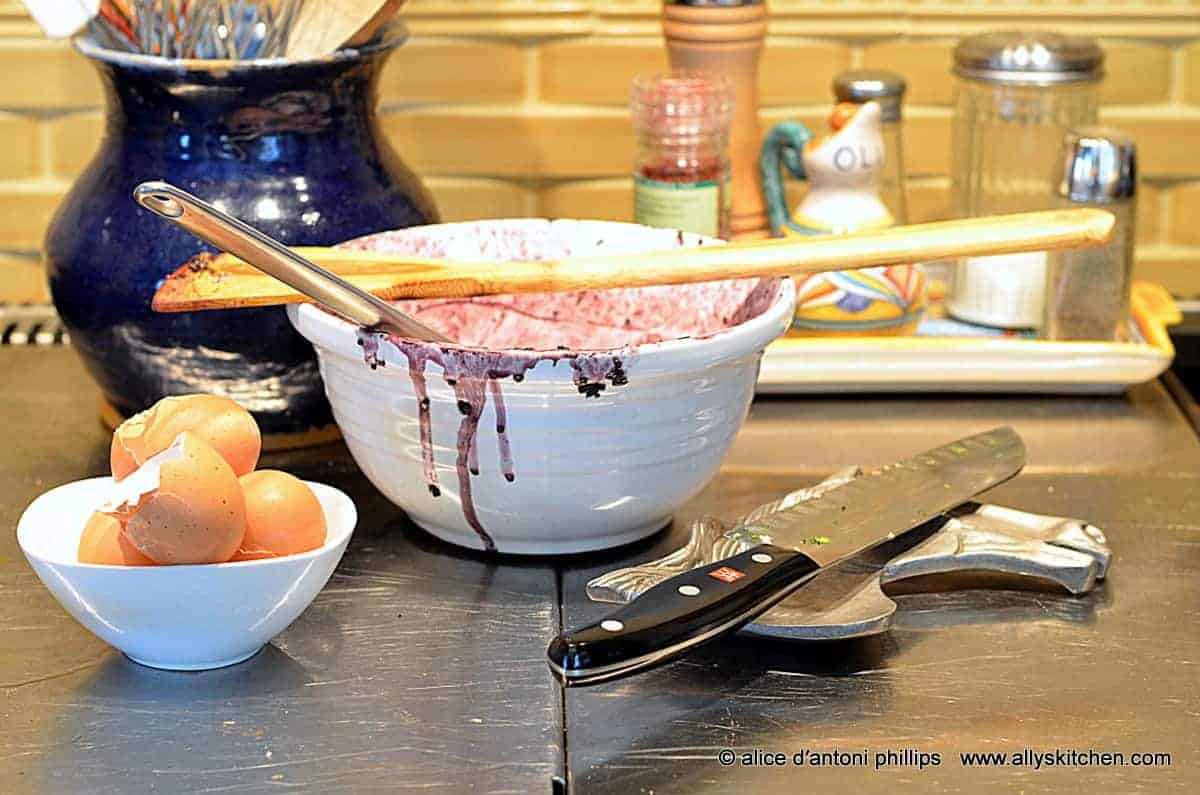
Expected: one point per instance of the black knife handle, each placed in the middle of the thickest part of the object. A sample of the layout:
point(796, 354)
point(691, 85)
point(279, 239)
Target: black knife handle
point(679, 614)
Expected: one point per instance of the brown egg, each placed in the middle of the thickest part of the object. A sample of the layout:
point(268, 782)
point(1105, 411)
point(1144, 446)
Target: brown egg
point(283, 516)
point(221, 422)
point(104, 542)
point(184, 505)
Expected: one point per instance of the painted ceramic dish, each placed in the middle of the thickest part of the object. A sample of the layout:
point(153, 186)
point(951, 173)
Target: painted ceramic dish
point(843, 171)
point(875, 301)
point(589, 417)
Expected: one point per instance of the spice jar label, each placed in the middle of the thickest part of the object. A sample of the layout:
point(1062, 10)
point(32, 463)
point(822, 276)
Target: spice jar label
point(687, 206)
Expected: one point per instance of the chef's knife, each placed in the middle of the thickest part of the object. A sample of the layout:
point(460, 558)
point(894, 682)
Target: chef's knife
point(790, 547)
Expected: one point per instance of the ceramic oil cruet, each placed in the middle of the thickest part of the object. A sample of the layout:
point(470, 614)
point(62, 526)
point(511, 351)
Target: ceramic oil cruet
point(843, 172)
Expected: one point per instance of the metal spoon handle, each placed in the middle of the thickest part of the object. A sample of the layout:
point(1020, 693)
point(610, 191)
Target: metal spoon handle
point(275, 259)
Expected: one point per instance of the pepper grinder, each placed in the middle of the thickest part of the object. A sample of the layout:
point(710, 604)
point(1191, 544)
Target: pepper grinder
point(726, 36)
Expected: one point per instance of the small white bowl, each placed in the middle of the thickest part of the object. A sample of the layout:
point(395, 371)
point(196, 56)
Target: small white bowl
point(589, 472)
point(181, 618)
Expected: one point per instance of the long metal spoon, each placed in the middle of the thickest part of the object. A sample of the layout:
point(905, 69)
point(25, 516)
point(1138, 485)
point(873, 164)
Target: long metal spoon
point(275, 259)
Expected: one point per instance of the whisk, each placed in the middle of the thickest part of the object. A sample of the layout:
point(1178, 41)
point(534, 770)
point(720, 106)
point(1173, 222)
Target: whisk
point(228, 29)
point(232, 29)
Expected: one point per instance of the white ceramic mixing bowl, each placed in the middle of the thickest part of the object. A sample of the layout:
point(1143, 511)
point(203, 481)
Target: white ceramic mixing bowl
point(182, 618)
point(587, 472)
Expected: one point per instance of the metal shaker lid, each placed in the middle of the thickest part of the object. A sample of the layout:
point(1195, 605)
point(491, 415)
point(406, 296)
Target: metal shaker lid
point(865, 85)
point(1099, 165)
point(1028, 58)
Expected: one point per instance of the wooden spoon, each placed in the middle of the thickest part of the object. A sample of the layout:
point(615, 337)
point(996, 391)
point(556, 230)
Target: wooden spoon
point(223, 281)
point(325, 26)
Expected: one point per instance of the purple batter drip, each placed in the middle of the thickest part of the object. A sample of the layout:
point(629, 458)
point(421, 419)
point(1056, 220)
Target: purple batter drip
point(416, 370)
point(472, 374)
point(469, 392)
point(506, 459)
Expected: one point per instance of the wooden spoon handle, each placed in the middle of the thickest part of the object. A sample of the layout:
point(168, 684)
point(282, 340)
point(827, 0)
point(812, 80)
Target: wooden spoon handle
point(1001, 234)
point(223, 281)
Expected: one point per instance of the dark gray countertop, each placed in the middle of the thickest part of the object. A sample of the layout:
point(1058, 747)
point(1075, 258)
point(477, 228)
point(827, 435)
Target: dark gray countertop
point(421, 667)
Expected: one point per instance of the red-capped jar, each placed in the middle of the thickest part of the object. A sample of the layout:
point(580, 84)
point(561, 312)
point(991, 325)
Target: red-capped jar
point(681, 174)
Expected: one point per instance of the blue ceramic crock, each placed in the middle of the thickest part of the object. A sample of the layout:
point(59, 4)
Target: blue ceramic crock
point(293, 148)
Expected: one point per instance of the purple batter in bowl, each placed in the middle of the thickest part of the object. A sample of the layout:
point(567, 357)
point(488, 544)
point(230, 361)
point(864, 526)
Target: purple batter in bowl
point(606, 409)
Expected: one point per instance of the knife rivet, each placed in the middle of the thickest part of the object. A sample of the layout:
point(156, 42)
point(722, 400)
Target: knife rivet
point(611, 625)
point(689, 590)
point(761, 557)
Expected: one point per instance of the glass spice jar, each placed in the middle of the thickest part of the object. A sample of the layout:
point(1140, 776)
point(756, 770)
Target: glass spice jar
point(681, 173)
point(1017, 95)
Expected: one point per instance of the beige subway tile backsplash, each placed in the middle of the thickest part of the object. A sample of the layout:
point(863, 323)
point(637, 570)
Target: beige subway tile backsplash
point(1185, 215)
point(1166, 138)
point(515, 107)
point(20, 156)
point(928, 199)
point(927, 141)
point(25, 210)
point(1149, 212)
point(73, 139)
point(471, 199)
point(606, 199)
point(514, 141)
point(597, 71)
point(800, 71)
point(452, 70)
point(925, 65)
point(46, 74)
point(22, 280)
point(1135, 73)
point(1190, 74)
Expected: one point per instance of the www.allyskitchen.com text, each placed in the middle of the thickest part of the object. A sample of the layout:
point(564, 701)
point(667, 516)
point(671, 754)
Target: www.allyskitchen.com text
point(920, 759)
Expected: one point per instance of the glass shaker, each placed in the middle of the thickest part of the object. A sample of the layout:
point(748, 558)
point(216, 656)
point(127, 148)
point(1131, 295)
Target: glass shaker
point(1017, 95)
point(886, 88)
point(681, 174)
point(1087, 289)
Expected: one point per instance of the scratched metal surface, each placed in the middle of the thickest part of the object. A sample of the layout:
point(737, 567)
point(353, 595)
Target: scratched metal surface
point(417, 668)
point(982, 670)
point(422, 668)
point(1135, 433)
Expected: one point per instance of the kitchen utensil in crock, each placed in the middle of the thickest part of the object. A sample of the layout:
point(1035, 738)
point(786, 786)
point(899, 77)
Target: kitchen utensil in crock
point(272, 257)
point(59, 19)
point(323, 27)
point(223, 283)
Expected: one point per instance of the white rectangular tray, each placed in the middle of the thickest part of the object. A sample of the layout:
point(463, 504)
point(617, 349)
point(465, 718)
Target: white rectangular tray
point(823, 365)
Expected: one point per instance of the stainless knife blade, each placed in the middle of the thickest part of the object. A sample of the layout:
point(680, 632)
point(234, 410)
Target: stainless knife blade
point(789, 547)
point(895, 497)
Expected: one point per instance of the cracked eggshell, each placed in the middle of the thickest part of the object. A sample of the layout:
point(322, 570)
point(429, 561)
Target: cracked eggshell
point(283, 516)
point(221, 422)
point(103, 541)
point(184, 505)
